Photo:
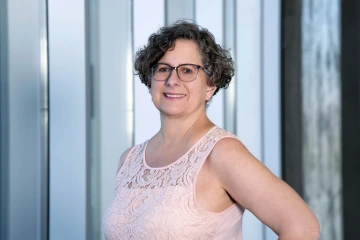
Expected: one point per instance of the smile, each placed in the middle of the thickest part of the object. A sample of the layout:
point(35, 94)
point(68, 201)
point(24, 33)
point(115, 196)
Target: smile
point(170, 95)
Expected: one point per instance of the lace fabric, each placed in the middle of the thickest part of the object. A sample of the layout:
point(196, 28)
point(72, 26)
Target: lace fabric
point(159, 203)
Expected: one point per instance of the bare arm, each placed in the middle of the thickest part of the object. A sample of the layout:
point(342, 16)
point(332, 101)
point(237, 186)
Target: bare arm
point(253, 186)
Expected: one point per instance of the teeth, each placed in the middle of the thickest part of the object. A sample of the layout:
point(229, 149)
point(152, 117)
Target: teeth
point(174, 95)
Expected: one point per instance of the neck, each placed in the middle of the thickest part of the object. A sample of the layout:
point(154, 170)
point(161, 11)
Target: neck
point(176, 129)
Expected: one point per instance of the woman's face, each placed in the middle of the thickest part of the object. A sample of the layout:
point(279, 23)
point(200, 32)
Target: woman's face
point(175, 97)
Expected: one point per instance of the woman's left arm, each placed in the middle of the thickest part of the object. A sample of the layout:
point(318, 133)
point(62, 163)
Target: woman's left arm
point(269, 198)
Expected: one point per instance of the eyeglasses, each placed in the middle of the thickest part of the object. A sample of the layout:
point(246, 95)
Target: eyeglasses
point(186, 72)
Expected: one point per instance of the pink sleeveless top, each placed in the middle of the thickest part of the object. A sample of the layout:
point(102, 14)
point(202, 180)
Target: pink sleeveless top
point(159, 203)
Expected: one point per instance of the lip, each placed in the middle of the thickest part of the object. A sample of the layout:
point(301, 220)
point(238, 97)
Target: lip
point(174, 95)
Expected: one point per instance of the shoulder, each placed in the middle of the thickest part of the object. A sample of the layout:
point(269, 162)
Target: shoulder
point(230, 150)
point(227, 144)
point(134, 149)
point(123, 158)
point(230, 154)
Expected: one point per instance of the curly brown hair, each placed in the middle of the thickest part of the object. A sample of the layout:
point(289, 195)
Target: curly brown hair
point(216, 60)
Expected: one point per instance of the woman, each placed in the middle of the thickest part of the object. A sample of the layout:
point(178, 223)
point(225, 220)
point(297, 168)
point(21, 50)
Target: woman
point(193, 180)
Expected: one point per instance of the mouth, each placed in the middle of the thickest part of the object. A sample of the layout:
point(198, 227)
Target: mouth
point(174, 95)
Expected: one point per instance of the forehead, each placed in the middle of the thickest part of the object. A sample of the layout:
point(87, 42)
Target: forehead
point(184, 51)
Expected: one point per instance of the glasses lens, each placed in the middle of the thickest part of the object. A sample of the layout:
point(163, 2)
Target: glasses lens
point(161, 72)
point(188, 72)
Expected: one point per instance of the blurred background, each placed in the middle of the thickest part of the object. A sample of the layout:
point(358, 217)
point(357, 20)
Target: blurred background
point(71, 104)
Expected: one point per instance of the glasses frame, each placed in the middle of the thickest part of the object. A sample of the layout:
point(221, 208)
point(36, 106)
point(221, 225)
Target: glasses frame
point(177, 72)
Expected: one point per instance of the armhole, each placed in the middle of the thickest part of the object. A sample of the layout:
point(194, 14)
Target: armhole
point(199, 169)
point(119, 169)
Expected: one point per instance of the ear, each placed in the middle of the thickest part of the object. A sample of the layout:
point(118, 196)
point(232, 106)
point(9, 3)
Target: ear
point(210, 92)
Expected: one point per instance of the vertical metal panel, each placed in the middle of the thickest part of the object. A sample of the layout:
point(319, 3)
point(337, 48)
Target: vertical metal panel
point(4, 121)
point(67, 119)
point(249, 74)
point(147, 118)
point(230, 96)
point(321, 98)
point(44, 164)
point(249, 116)
point(292, 127)
point(94, 194)
point(271, 91)
point(271, 85)
point(214, 24)
point(24, 117)
point(347, 224)
point(114, 93)
point(179, 9)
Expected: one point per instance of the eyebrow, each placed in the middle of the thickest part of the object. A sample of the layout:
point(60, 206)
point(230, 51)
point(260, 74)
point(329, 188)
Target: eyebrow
point(178, 64)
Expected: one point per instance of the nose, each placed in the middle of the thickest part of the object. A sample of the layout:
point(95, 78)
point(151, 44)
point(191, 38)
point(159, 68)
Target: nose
point(173, 79)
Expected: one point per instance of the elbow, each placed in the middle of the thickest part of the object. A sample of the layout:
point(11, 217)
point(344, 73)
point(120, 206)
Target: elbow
point(304, 231)
point(315, 230)
point(311, 230)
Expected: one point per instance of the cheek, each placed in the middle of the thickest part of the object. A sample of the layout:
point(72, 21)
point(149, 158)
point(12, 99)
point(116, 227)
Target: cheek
point(155, 89)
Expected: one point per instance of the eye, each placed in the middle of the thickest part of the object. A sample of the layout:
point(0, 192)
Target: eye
point(162, 69)
point(187, 70)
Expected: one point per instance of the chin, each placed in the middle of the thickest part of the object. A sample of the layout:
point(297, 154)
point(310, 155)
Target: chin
point(170, 112)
